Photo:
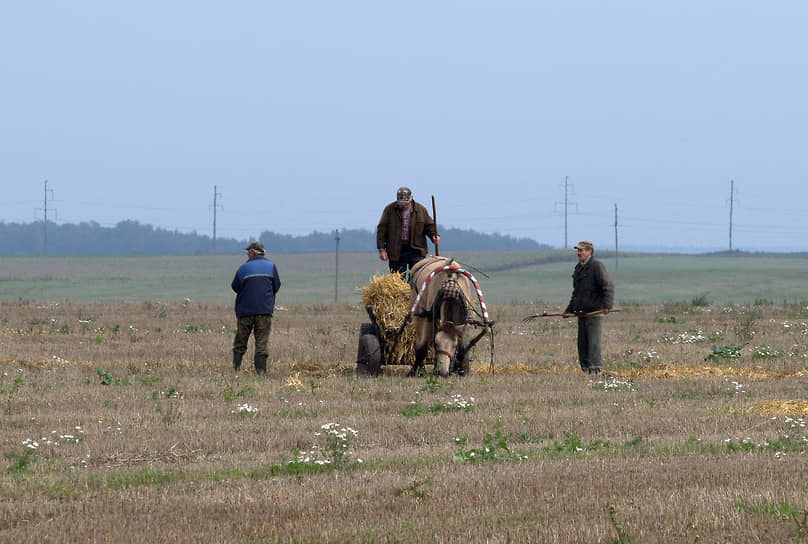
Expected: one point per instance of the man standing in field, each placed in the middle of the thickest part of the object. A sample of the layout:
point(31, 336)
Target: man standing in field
point(255, 284)
point(592, 291)
point(402, 231)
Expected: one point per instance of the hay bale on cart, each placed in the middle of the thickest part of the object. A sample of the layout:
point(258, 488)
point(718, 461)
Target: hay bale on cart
point(386, 298)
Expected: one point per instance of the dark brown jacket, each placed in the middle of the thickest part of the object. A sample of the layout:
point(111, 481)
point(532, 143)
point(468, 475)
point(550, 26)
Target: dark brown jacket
point(592, 289)
point(388, 231)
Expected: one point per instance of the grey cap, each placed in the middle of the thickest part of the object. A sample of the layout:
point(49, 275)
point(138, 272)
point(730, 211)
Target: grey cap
point(585, 244)
point(403, 195)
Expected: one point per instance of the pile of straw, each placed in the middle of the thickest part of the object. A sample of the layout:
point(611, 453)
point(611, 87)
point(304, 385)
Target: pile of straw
point(294, 382)
point(781, 407)
point(389, 297)
point(520, 369)
point(661, 371)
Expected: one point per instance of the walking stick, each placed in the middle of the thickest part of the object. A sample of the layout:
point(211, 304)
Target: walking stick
point(435, 218)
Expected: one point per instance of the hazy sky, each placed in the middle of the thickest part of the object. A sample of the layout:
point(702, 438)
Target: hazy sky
point(307, 115)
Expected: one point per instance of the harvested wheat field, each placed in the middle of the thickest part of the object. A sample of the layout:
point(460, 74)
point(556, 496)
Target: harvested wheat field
point(126, 423)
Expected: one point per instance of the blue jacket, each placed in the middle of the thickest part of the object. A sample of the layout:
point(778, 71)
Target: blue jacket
point(255, 284)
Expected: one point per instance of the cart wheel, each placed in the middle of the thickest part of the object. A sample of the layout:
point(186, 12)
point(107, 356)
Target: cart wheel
point(369, 354)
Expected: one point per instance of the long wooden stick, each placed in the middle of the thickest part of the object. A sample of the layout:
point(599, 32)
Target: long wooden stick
point(564, 314)
point(435, 219)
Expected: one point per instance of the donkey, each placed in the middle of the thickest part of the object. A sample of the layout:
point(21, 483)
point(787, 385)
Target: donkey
point(440, 296)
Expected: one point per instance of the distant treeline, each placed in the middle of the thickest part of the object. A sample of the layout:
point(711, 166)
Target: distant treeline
point(134, 238)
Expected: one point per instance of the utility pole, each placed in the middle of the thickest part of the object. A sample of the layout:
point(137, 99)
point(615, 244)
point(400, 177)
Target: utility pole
point(566, 204)
point(616, 263)
point(336, 267)
point(731, 202)
point(45, 221)
point(215, 207)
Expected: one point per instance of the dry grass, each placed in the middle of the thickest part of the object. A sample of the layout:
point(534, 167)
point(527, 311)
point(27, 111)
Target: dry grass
point(168, 444)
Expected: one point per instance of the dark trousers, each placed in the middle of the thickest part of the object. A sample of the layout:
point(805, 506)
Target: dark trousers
point(259, 325)
point(589, 342)
point(407, 259)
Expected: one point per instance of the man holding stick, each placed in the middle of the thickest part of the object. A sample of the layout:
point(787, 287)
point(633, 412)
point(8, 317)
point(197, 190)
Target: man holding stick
point(592, 297)
point(402, 231)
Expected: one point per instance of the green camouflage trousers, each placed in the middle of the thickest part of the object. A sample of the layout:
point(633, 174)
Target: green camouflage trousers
point(259, 325)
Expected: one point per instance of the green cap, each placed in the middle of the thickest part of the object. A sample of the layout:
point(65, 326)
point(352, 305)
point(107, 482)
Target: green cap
point(256, 246)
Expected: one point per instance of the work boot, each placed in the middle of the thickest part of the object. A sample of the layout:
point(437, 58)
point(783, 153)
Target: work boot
point(237, 360)
point(260, 364)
